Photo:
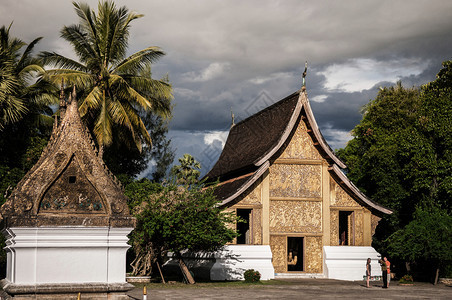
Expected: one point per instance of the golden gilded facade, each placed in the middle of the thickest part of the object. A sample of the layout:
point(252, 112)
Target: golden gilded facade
point(295, 197)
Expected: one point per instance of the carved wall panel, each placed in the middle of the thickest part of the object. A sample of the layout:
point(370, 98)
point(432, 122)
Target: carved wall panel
point(340, 197)
point(334, 228)
point(374, 222)
point(295, 216)
point(359, 228)
point(292, 180)
point(313, 254)
point(279, 248)
point(301, 145)
point(257, 226)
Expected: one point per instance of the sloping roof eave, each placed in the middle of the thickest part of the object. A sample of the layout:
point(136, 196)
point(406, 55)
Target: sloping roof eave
point(318, 135)
point(363, 198)
point(259, 172)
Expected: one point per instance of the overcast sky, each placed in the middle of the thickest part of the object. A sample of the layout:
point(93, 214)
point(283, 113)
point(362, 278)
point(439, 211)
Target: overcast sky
point(246, 55)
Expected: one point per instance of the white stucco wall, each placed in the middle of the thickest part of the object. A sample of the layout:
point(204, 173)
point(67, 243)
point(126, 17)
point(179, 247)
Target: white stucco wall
point(66, 255)
point(349, 262)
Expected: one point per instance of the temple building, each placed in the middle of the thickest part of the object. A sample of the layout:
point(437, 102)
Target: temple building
point(277, 172)
point(66, 223)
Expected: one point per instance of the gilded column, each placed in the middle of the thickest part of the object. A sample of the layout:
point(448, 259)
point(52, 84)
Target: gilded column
point(325, 205)
point(265, 208)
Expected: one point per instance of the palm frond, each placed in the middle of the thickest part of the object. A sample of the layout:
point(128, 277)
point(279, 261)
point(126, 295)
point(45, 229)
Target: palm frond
point(138, 61)
point(158, 92)
point(91, 102)
point(70, 77)
point(80, 42)
point(57, 60)
point(125, 91)
point(103, 128)
point(25, 59)
point(87, 18)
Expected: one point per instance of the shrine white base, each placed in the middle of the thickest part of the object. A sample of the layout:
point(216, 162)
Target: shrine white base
point(234, 260)
point(349, 262)
point(229, 263)
point(63, 256)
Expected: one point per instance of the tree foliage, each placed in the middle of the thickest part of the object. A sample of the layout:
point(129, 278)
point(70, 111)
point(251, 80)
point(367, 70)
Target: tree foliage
point(188, 171)
point(426, 238)
point(401, 156)
point(175, 218)
point(376, 157)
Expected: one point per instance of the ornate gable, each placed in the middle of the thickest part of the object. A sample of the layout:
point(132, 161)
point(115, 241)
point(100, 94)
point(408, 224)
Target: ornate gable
point(70, 184)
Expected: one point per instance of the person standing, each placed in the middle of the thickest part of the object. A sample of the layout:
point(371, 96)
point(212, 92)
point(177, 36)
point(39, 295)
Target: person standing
point(388, 271)
point(384, 272)
point(368, 271)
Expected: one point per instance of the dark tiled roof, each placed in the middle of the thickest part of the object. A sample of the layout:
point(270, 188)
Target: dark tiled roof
point(251, 139)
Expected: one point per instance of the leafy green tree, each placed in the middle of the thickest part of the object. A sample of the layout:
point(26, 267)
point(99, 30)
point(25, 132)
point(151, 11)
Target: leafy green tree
point(376, 156)
point(401, 152)
point(114, 88)
point(426, 238)
point(431, 165)
point(188, 170)
point(175, 219)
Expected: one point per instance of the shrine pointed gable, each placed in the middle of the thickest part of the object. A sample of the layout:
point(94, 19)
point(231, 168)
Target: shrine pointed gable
point(69, 179)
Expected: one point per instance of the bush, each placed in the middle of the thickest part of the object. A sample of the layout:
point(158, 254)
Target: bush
point(252, 275)
point(406, 279)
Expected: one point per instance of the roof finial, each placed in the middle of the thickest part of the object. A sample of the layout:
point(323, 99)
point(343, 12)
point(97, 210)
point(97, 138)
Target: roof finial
point(74, 93)
point(303, 85)
point(62, 100)
point(232, 116)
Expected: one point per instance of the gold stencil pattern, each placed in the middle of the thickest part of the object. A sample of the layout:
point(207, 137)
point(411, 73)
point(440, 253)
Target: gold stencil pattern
point(374, 222)
point(342, 198)
point(278, 247)
point(334, 228)
point(359, 228)
point(292, 180)
point(257, 226)
point(253, 196)
point(301, 145)
point(313, 254)
point(295, 216)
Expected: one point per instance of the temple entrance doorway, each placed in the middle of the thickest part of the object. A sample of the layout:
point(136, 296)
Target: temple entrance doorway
point(244, 228)
point(346, 234)
point(295, 254)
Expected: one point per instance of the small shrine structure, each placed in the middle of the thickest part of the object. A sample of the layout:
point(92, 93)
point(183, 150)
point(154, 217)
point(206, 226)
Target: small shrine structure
point(304, 217)
point(66, 223)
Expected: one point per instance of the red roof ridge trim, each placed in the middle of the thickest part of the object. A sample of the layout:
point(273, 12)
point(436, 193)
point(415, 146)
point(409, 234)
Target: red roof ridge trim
point(235, 178)
point(247, 184)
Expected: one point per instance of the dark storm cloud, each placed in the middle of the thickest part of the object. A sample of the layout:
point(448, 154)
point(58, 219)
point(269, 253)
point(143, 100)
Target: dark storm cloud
point(224, 55)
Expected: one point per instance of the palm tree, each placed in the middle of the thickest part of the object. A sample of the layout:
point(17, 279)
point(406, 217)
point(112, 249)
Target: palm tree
point(18, 94)
point(115, 89)
point(188, 170)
